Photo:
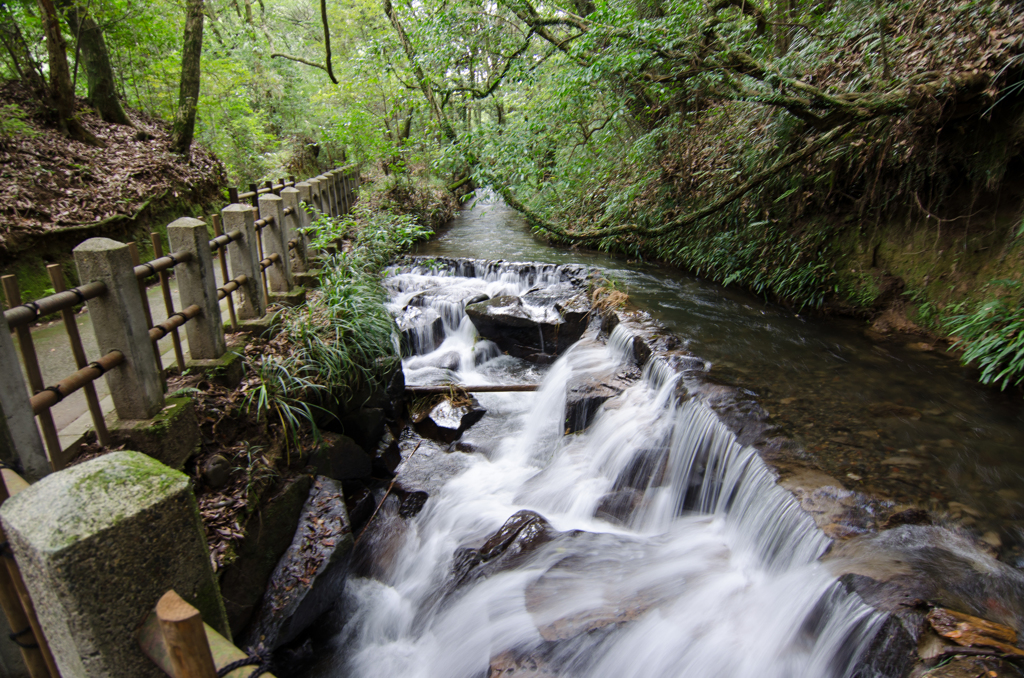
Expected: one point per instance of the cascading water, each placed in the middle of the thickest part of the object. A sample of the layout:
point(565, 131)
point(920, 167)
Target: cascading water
point(670, 550)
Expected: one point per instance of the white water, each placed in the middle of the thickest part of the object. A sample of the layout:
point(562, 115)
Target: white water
point(712, 573)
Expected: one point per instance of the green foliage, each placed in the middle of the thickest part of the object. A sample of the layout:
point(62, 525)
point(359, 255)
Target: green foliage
point(13, 124)
point(993, 335)
point(285, 393)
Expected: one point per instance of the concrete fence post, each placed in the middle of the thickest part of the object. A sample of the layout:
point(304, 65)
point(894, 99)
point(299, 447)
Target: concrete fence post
point(326, 195)
point(318, 202)
point(279, 276)
point(19, 437)
point(197, 285)
point(293, 228)
point(339, 200)
point(98, 544)
point(306, 196)
point(339, 181)
point(119, 322)
point(244, 258)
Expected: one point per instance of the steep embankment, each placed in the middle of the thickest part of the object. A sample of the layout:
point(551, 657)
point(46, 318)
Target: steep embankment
point(56, 192)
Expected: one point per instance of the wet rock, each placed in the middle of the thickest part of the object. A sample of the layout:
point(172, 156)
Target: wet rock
point(341, 458)
point(646, 469)
point(520, 665)
point(216, 471)
point(586, 393)
point(912, 516)
point(267, 535)
point(618, 507)
point(973, 667)
point(898, 569)
point(412, 503)
point(446, 422)
point(513, 543)
point(523, 330)
point(365, 426)
point(422, 329)
point(310, 575)
point(387, 457)
point(449, 361)
point(477, 299)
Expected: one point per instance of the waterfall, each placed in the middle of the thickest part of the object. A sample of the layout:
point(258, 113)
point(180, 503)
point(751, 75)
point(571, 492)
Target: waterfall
point(672, 551)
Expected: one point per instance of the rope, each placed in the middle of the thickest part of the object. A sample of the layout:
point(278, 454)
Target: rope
point(174, 261)
point(15, 636)
point(152, 270)
point(78, 293)
point(101, 368)
point(259, 659)
point(34, 307)
point(55, 390)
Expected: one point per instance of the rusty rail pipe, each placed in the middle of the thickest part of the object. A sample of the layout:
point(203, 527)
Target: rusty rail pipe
point(270, 261)
point(33, 310)
point(161, 264)
point(176, 320)
point(230, 286)
point(52, 395)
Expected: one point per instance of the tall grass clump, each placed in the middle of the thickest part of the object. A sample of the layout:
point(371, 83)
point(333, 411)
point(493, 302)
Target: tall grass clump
point(343, 343)
point(994, 338)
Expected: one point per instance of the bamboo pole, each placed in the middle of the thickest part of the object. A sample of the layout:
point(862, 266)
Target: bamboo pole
point(184, 636)
point(32, 371)
point(165, 286)
point(68, 315)
point(133, 250)
point(448, 388)
point(222, 256)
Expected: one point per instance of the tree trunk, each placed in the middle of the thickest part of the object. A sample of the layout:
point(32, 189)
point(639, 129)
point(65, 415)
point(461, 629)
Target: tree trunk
point(62, 93)
point(98, 71)
point(188, 96)
point(22, 62)
point(421, 78)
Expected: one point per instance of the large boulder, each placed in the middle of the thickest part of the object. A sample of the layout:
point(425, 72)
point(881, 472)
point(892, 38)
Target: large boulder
point(310, 575)
point(524, 330)
point(586, 392)
point(446, 422)
point(341, 458)
point(422, 329)
point(267, 535)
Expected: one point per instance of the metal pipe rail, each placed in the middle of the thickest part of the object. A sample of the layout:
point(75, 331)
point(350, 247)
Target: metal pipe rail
point(222, 241)
point(260, 224)
point(288, 210)
point(174, 322)
point(231, 285)
point(163, 263)
point(266, 189)
point(24, 314)
point(270, 261)
point(52, 395)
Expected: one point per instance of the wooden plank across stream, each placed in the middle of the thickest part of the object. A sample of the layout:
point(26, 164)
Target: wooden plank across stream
point(448, 388)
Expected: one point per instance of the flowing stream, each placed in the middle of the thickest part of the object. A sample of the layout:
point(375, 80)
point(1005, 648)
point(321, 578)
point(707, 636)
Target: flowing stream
point(708, 568)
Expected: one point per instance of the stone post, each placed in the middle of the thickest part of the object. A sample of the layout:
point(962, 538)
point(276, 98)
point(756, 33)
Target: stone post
point(197, 285)
point(244, 259)
point(19, 437)
point(119, 321)
point(326, 195)
point(339, 199)
point(98, 544)
point(293, 228)
point(306, 196)
point(339, 181)
point(279, 276)
point(318, 199)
